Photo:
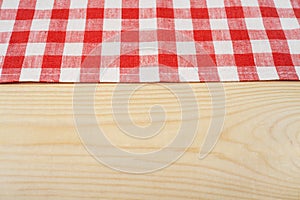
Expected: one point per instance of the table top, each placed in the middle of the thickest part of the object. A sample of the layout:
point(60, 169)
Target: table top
point(256, 157)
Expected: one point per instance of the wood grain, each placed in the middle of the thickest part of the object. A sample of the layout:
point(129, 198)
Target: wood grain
point(257, 156)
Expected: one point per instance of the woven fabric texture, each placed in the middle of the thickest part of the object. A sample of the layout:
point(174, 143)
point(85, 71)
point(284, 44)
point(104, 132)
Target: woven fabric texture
point(149, 40)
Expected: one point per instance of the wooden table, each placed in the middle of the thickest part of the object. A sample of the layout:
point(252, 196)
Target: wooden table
point(256, 157)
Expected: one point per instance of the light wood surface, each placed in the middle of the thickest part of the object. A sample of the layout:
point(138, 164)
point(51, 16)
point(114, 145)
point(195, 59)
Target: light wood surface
point(257, 156)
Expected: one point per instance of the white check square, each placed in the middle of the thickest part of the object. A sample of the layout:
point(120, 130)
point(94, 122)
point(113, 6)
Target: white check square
point(30, 74)
point(112, 25)
point(250, 3)
point(10, 4)
point(69, 75)
point(254, 24)
point(148, 24)
point(223, 47)
point(76, 25)
point(147, 3)
point(228, 74)
point(261, 46)
point(110, 48)
point(78, 4)
point(282, 4)
point(181, 4)
point(183, 24)
point(148, 48)
point(73, 49)
point(40, 25)
point(149, 74)
point(110, 74)
point(3, 49)
point(35, 49)
point(186, 48)
point(188, 74)
point(289, 23)
point(113, 3)
point(297, 68)
point(219, 24)
point(267, 73)
point(294, 46)
point(215, 3)
point(44, 4)
point(6, 25)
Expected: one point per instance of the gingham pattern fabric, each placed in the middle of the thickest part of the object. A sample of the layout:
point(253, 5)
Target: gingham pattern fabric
point(189, 40)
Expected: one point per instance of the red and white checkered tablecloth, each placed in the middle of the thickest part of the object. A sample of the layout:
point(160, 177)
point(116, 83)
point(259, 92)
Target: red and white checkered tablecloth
point(149, 40)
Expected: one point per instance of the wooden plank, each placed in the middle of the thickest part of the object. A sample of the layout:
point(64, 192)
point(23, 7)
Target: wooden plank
point(257, 156)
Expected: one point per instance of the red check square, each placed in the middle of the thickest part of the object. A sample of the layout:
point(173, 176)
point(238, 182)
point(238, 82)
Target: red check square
point(130, 13)
point(244, 60)
point(56, 36)
point(25, 14)
point(239, 35)
point(19, 37)
point(52, 62)
point(234, 12)
point(129, 61)
point(203, 35)
point(199, 13)
point(168, 60)
point(297, 12)
point(276, 34)
point(268, 12)
point(130, 36)
point(93, 36)
point(95, 13)
point(165, 12)
point(13, 62)
point(60, 14)
point(282, 59)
